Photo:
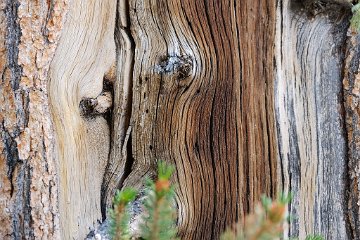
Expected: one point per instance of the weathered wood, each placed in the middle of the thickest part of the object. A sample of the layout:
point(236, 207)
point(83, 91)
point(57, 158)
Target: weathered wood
point(243, 97)
point(85, 53)
point(202, 103)
point(310, 118)
point(120, 160)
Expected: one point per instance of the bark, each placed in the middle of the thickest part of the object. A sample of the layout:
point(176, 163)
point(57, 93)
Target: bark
point(244, 97)
point(29, 179)
point(351, 99)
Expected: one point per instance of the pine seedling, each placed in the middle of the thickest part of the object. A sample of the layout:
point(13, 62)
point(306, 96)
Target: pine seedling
point(314, 237)
point(159, 222)
point(119, 216)
point(265, 223)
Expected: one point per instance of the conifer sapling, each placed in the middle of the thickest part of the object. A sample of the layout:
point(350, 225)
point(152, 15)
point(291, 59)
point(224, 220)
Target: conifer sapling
point(119, 215)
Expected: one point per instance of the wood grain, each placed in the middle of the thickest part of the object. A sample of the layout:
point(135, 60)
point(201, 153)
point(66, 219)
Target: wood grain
point(201, 102)
point(310, 119)
point(120, 160)
point(243, 97)
point(85, 53)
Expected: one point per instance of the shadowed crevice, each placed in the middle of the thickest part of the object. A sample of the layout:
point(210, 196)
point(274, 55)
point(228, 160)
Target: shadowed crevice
point(120, 157)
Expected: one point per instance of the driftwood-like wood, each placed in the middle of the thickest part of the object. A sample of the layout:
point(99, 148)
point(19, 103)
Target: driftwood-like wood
point(310, 117)
point(244, 97)
point(201, 103)
point(85, 54)
point(120, 160)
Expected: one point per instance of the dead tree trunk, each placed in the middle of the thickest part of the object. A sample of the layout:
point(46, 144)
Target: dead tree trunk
point(200, 103)
point(244, 97)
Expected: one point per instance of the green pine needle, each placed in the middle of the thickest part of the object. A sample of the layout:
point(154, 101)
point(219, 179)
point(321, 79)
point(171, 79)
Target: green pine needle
point(119, 216)
point(125, 196)
point(164, 170)
point(159, 223)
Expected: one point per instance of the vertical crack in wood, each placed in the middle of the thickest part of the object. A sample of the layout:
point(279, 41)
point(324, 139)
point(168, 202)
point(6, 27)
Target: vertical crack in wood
point(120, 159)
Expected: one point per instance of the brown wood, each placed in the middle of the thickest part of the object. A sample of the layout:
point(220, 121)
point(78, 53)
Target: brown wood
point(244, 97)
point(201, 104)
point(351, 98)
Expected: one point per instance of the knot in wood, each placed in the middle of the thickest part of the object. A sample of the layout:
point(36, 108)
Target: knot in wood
point(180, 66)
point(96, 106)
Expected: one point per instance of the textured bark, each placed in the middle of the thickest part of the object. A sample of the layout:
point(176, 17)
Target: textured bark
point(244, 97)
point(29, 34)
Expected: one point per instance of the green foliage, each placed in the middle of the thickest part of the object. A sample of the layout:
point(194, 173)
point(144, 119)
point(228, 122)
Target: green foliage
point(119, 216)
point(266, 223)
point(125, 196)
point(159, 224)
point(158, 221)
point(159, 218)
point(164, 171)
point(314, 237)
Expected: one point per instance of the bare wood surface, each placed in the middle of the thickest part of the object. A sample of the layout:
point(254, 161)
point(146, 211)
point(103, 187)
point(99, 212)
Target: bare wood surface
point(85, 54)
point(243, 97)
point(310, 117)
point(202, 103)
point(120, 160)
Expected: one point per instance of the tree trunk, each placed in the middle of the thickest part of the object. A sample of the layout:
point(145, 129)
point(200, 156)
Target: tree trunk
point(200, 104)
point(243, 97)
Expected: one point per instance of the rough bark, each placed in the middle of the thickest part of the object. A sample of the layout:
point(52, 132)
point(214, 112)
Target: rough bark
point(29, 34)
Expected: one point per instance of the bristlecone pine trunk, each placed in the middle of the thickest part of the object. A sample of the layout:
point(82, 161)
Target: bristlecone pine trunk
point(243, 97)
